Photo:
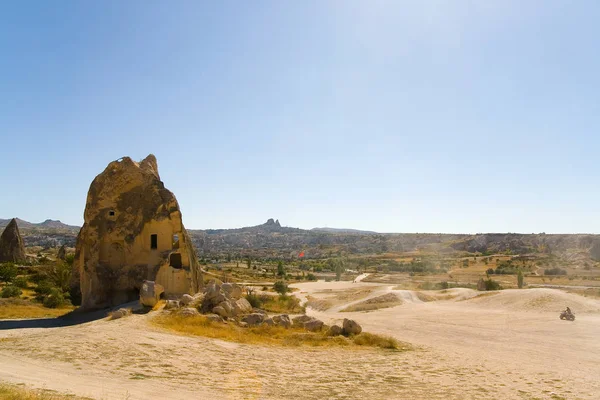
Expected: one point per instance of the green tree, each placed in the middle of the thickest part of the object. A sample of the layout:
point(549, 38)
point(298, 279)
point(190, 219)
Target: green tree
point(520, 279)
point(339, 268)
point(281, 287)
point(8, 272)
point(280, 269)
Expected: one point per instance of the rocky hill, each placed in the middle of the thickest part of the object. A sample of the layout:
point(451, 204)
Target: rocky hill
point(271, 239)
point(50, 233)
point(48, 224)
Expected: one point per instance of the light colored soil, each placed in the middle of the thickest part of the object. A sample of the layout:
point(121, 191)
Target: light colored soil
point(492, 347)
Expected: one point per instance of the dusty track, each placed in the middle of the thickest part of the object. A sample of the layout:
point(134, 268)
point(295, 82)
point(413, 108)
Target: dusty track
point(468, 349)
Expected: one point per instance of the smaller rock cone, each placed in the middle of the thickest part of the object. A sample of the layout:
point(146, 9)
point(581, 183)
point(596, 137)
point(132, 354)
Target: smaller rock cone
point(11, 244)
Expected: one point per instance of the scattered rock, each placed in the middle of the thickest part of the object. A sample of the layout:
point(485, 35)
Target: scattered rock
point(299, 321)
point(132, 231)
point(351, 327)
point(214, 318)
point(241, 307)
point(313, 325)
point(11, 244)
point(243, 324)
point(254, 319)
point(150, 293)
point(186, 299)
point(220, 311)
point(171, 304)
point(189, 312)
point(120, 313)
point(282, 320)
point(335, 330)
point(232, 290)
point(269, 321)
point(259, 310)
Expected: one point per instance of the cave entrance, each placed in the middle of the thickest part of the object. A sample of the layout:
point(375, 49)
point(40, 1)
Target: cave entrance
point(175, 260)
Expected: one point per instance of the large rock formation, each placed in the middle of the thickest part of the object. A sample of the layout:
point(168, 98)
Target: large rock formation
point(11, 244)
point(132, 232)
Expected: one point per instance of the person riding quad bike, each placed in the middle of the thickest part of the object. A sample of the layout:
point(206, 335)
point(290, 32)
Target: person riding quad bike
point(568, 315)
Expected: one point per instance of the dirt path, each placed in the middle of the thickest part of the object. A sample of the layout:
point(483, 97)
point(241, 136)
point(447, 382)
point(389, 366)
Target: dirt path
point(468, 350)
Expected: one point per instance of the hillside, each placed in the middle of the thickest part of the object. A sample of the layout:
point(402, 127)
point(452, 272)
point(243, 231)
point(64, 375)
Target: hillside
point(271, 240)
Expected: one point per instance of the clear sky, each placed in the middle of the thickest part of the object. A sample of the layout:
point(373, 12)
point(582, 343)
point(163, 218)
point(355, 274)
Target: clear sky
point(394, 116)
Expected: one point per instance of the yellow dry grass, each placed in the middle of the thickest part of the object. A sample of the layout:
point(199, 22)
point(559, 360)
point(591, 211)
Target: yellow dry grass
point(12, 392)
point(271, 335)
point(22, 309)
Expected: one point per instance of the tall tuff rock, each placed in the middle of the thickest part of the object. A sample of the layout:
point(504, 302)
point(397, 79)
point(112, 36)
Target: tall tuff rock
point(132, 232)
point(11, 244)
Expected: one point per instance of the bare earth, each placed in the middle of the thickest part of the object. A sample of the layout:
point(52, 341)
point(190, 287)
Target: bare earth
point(509, 345)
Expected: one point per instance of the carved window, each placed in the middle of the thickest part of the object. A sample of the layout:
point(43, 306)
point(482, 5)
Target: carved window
point(154, 241)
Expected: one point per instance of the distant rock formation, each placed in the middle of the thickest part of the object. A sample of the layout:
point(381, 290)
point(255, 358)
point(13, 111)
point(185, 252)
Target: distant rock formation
point(132, 233)
point(271, 222)
point(11, 244)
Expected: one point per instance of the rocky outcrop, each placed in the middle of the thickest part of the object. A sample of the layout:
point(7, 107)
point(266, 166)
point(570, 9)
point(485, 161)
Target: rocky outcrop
point(132, 232)
point(225, 300)
point(11, 244)
point(150, 293)
point(351, 327)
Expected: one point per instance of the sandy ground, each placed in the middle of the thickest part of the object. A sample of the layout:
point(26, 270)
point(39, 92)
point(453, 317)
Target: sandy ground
point(509, 345)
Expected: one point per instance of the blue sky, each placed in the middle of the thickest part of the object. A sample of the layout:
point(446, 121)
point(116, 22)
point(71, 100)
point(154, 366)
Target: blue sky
point(395, 116)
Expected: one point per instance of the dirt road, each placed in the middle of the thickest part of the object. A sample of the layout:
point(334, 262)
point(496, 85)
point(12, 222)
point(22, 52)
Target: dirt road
point(507, 345)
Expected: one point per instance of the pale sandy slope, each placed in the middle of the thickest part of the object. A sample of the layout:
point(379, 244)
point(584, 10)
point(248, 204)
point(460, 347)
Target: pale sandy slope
point(492, 347)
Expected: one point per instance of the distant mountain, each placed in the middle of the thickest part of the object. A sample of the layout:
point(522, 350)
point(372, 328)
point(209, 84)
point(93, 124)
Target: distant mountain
point(48, 224)
point(342, 230)
point(268, 227)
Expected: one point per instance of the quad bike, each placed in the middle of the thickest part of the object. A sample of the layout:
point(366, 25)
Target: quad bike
point(567, 316)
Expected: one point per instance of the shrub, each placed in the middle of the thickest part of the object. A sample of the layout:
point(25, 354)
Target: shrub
point(490, 271)
point(55, 299)
point(555, 271)
point(20, 282)
point(10, 291)
point(369, 339)
point(281, 287)
point(492, 285)
point(311, 277)
point(254, 300)
point(520, 279)
point(8, 272)
point(43, 289)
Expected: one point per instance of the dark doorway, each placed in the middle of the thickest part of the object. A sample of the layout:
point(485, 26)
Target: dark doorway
point(154, 241)
point(175, 260)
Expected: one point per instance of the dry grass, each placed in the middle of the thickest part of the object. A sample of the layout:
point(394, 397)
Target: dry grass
point(318, 304)
point(22, 309)
point(270, 335)
point(12, 392)
point(281, 304)
point(376, 303)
